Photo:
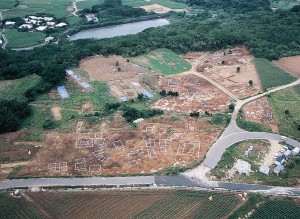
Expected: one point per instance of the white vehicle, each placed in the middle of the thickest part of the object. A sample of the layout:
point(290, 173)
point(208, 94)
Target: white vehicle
point(283, 138)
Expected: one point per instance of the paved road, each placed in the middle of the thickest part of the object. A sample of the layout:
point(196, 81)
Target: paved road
point(17, 183)
point(233, 133)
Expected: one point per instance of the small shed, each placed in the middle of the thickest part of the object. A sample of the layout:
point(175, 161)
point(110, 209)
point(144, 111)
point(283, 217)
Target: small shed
point(279, 160)
point(264, 170)
point(277, 169)
point(287, 154)
point(296, 151)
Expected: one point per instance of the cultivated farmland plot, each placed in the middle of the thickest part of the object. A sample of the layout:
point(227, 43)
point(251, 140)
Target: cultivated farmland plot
point(136, 204)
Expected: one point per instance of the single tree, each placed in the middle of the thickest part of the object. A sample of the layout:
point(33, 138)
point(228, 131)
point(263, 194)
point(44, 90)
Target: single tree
point(238, 69)
point(250, 83)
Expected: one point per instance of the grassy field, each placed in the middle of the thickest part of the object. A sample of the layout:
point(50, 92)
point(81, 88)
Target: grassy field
point(284, 4)
point(136, 204)
point(287, 178)
point(270, 75)
point(58, 8)
point(18, 39)
point(164, 61)
point(236, 151)
point(166, 3)
point(288, 121)
point(88, 4)
point(17, 208)
point(15, 89)
point(7, 4)
point(251, 126)
point(272, 209)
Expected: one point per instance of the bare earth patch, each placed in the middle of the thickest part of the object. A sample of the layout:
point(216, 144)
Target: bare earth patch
point(289, 64)
point(157, 143)
point(269, 156)
point(56, 113)
point(195, 94)
point(156, 8)
point(260, 111)
point(222, 67)
point(114, 67)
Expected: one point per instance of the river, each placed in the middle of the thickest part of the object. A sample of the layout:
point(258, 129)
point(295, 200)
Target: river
point(118, 30)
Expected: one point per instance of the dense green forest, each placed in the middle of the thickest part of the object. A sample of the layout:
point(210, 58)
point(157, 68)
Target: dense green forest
point(113, 10)
point(234, 6)
point(266, 34)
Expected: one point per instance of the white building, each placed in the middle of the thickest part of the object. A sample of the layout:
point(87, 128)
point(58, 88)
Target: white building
point(41, 28)
point(9, 23)
point(49, 39)
point(48, 18)
point(51, 23)
point(28, 26)
point(0, 41)
point(264, 170)
point(296, 151)
point(61, 25)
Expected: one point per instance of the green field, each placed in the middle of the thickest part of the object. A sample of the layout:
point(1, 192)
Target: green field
point(164, 61)
point(58, 8)
point(15, 89)
point(88, 4)
point(166, 3)
point(270, 75)
point(277, 209)
point(284, 4)
point(136, 204)
point(17, 208)
point(251, 126)
point(288, 122)
point(18, 39)
point(7, 4)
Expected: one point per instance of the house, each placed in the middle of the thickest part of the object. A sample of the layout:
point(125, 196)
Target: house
point(28, 26)
point(41, 28)
point(277, 169)
point(48, 18)
point(33, 17)
point(264, 170)
point(91, 17)
point(33, 21)
point(61, 25)
point(50, 23)
point(49, 39)
point(279, 160)
point(7, 23)
point(287, 154)
point(295, 151)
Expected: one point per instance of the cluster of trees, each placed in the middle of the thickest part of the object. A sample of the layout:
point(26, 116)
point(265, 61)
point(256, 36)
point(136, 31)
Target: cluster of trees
point(169, 93)
point(131, 114)
point(234, 6)
point(113, 10)
point(11, 114)
point(194, 114)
